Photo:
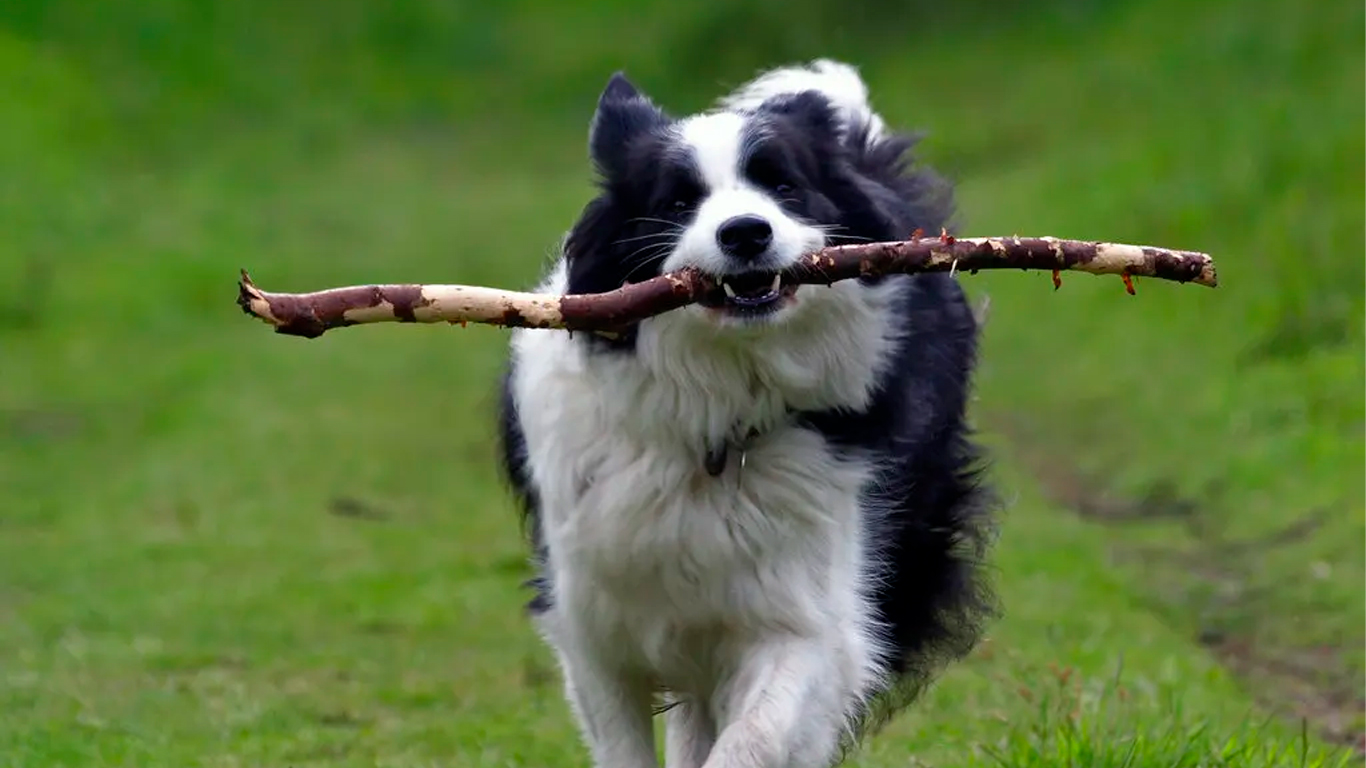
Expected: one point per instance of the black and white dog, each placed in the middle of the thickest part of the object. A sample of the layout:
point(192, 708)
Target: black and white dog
point(762, 511)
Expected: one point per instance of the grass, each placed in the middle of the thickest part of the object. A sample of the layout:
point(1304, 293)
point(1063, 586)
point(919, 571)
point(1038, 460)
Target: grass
point(221, 547)
point(1086, 723)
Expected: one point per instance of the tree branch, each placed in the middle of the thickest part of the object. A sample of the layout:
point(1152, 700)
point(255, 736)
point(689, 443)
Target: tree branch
point(311, 314)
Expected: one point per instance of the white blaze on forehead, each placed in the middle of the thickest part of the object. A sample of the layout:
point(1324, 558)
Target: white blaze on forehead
point(716, 146)
point(716, 141)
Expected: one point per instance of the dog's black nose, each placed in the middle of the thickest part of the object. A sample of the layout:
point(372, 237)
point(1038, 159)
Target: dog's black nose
point(744, 237)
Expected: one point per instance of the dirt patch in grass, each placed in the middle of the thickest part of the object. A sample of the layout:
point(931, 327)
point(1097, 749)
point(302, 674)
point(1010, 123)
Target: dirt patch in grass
point(40, 425)
point(1212, 578)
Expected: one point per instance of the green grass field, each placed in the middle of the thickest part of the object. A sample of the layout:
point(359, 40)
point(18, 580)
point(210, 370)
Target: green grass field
point(223, 547)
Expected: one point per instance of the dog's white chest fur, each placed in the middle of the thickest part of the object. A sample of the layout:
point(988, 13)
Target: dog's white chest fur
point(674, 561)
point(648, 548)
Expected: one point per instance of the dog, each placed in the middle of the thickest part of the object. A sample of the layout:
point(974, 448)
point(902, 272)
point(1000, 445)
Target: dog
point(763, 515)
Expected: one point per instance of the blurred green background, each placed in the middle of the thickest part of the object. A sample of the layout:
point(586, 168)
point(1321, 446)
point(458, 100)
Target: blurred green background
point(219, 546)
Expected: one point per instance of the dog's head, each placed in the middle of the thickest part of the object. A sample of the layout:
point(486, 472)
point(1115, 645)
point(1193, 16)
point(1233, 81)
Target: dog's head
point(740, 194)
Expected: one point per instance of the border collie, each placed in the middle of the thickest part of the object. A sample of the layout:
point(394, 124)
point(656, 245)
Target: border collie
point(762, 515)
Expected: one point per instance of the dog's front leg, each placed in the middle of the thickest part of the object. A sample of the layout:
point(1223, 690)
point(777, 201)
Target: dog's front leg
point(614, 711)
point(784, 709)
point(688, 735)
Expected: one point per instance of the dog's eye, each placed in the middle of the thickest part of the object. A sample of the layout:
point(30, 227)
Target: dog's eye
point(767, 172)
point(682, 197)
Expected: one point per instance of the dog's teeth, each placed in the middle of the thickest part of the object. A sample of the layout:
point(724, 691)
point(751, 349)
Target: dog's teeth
point(729, 290)
point(777, 282)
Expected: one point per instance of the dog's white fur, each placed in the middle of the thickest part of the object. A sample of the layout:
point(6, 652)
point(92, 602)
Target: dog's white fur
point(838, 82)
point(741, 596)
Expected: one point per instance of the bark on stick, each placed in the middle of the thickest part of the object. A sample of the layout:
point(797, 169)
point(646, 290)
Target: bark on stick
point(312, 314)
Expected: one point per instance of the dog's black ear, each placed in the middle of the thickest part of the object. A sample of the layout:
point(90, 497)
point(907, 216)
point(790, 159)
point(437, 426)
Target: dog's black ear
point(619, 89)
point(623, 114)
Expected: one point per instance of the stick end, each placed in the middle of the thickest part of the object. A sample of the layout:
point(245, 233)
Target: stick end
point(253, 302)
point(1208, 275)
point(248, 294)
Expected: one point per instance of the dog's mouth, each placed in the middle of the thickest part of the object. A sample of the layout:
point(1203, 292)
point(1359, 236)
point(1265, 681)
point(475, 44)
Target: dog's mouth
point(748, 293)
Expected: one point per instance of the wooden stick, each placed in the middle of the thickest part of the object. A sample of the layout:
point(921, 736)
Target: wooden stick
point(312, 314)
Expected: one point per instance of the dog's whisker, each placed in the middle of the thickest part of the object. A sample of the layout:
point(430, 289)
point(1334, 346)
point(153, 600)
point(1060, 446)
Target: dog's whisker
point(832, 232)
point(650, 248)
point(673, 225)
point(655, 259)
point(644, 255)
point(647, 255)
point(645, 237)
